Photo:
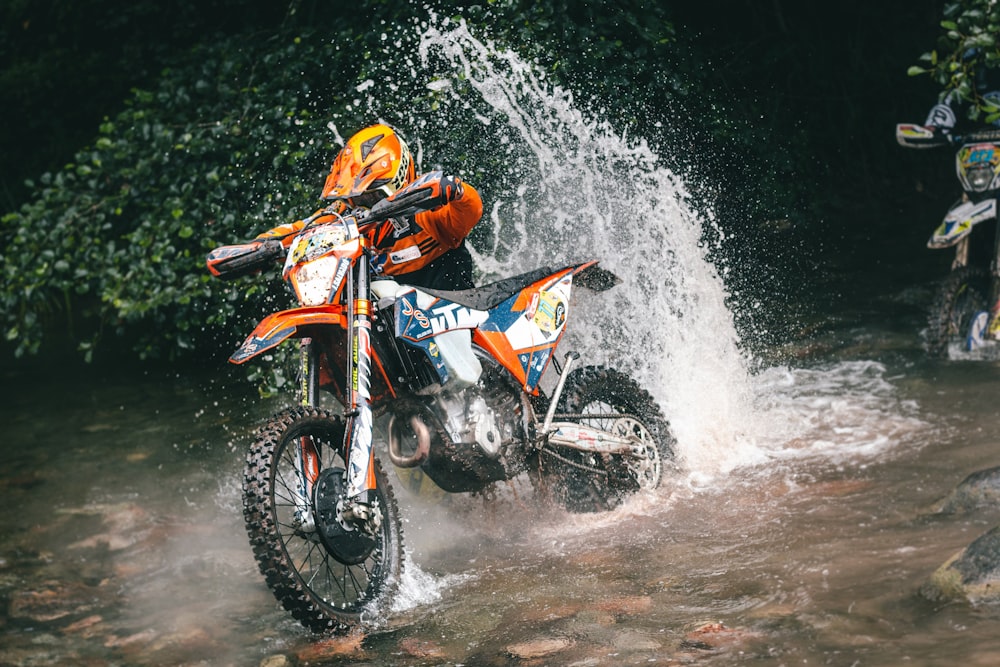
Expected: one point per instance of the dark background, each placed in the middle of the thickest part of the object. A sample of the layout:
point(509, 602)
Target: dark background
point(834, 78)
point(789, 106)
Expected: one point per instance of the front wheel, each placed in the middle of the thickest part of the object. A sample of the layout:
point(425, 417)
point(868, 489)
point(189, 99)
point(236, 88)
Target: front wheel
point(327, 573)
point(611, 401)
point(960, 297)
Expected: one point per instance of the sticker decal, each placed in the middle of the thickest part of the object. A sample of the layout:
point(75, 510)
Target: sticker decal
point(551, 312)
point(407, 254)
point(415, 323)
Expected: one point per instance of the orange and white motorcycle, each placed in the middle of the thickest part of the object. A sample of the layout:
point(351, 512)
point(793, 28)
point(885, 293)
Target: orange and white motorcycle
point(456, 375)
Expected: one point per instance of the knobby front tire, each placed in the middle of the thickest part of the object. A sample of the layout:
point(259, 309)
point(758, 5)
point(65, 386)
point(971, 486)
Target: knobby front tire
point(329, 583)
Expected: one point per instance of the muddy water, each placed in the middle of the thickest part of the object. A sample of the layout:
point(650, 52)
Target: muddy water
point(121, 539)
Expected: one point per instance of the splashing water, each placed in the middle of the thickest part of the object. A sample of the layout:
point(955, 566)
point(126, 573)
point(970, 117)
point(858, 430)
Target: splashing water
point(418, 588)
point(590, 192)
point(565, 186)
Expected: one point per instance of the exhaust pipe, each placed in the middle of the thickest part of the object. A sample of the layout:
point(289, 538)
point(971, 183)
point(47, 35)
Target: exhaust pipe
point(419, 429)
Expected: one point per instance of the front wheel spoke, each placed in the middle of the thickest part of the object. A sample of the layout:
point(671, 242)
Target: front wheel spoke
point(321, 568)
point(298, 546)
point(349, 573)
point(288, 499)
point(304, 569)
point(360, 588)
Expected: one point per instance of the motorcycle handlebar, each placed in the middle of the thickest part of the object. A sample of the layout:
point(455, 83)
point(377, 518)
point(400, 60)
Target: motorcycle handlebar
point(982, 135)
point(922, 136)
point(406, 203)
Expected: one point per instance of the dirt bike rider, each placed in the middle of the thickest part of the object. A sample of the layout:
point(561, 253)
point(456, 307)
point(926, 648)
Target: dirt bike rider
point(950, 116)
point(429, 247)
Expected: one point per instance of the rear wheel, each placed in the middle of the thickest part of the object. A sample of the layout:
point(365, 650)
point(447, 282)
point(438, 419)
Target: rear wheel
point(326, 573)
point(960, 297)
point(608, 400)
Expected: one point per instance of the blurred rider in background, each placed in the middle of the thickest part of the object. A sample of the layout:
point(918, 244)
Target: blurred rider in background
point(950, 118)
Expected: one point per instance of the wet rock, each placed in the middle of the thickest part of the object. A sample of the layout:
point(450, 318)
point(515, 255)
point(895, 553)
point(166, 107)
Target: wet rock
point(421, 648)
point(53, 600)
point(596, 617)
point(626, 606)
point(977, 491)
point(125, 524)
point(276, 661)
point(158, 647)
point(85, 627)
point(551, 611)
point(635, 641)
point(335, 647)
point(539, 648)
point(972, 575)
point(715, 637)
point(139, 639)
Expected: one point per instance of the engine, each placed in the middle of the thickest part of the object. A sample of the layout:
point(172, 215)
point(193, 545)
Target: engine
point(473, 437)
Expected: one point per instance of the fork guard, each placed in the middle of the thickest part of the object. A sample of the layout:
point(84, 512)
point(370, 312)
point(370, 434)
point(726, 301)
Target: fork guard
point(960, 220)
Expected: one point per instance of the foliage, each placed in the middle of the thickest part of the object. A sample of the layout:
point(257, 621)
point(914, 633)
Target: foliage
point(65, 63)
point(117, 238)
point(968, 45)
point(235, 137)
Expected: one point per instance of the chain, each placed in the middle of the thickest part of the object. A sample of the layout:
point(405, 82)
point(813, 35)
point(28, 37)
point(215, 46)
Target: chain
point(574, 464)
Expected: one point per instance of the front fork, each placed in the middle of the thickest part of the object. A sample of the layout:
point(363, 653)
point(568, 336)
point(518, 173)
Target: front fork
point(360, 422)
point(358, 506)
point(307, 460)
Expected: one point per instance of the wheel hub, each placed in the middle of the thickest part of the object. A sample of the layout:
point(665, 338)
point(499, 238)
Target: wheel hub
point(343, 541)
point(645, 461)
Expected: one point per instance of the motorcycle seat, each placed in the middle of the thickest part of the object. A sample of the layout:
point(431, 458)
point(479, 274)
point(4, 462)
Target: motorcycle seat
point(488, 296)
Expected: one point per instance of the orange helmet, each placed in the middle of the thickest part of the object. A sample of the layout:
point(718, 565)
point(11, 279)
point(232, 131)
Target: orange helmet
point(373, 164)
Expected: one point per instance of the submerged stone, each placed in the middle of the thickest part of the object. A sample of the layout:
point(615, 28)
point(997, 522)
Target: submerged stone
point(715, 636)
point(977, 491)
point(539, 648)
point(972, 575)
point(421, 648)
point(331, 648)
point(55, 600)
point(277, 660)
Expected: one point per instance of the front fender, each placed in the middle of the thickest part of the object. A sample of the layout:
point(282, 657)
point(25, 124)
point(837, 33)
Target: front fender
point(280, 326)
point(959, 222)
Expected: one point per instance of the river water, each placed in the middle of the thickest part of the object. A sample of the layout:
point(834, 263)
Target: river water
point(122, 539)
point(797, 530)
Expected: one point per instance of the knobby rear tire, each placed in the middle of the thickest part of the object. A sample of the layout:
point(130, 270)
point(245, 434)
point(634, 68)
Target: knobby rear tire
point(577, 484)
point(961, 295)
point(322, 592)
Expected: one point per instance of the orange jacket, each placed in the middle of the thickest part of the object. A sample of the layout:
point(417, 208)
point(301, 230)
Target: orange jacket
point(420, 240)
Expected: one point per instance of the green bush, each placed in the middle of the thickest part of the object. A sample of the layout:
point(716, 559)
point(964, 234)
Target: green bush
point(971, 40)
point(234, 139)
point(226, 145)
